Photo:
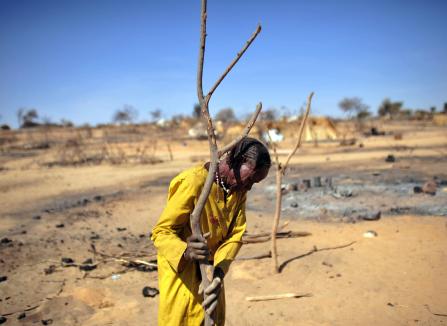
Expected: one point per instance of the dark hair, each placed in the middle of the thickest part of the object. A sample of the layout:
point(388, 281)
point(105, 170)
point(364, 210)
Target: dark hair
point(249, 150)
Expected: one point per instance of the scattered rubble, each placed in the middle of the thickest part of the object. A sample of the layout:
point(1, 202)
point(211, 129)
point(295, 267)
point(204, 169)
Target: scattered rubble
point(390, 158)
point(375, 132)
point(88, 265)
point(150, 292)
point(50, 269)
point(67, 262)
point(353, 197)
point(5, 241)
point(370, 234)
point(371, 216)
point(429, 187)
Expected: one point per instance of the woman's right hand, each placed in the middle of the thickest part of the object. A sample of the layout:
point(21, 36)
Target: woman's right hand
point(197, 248)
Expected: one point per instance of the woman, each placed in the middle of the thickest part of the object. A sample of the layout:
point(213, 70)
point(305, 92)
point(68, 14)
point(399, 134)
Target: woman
point(223, 223)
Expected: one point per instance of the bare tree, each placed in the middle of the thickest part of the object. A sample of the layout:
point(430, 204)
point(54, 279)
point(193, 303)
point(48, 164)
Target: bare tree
point(155, 114)
point(27, 117)
point(226, 115)
point(389, 108)
point(197, 111)
point(214, 152)
point(353, 106)
point(125, 115)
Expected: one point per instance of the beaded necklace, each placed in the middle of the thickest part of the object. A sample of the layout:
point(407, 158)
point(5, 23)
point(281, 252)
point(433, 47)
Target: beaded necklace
point(220, 181)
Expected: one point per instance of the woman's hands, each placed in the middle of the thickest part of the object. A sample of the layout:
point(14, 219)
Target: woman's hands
point(196, 248)
point(212, 291)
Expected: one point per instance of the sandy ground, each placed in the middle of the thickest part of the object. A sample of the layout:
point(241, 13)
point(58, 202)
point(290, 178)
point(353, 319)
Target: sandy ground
point(396, 278)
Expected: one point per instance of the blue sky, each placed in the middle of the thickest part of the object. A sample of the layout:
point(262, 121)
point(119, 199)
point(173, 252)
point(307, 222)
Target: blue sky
point(83, 60)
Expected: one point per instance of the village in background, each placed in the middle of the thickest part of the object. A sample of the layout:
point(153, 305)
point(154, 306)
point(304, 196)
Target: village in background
point(124, 140)
point(361, 239)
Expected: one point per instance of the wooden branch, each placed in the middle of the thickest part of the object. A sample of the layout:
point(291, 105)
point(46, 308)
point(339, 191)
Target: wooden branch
point(276, 218)
point(259, 256)
point(245, 132)
point(235, 60)
point(433, 313)
point(280, 171)
point(278, 296)
point(206, 269)
point(300, 133)
point(201, 52)
point(264, 237)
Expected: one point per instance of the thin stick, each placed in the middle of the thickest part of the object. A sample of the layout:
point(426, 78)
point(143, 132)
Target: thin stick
point(171, 157)
point(259, 256)
point(235, 60)
point(278, 296)
point(300, 133)
point(279, 235)
point(280, 171)
point(276, 219)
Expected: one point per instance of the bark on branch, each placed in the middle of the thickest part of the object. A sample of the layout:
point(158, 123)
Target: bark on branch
point(280, 170)
point(206, 269)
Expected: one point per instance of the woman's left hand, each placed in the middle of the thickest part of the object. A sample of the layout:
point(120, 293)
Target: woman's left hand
point(212, 294)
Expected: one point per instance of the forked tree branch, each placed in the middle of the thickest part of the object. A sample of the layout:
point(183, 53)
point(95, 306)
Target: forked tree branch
point(235, 60)
point(206, 270)
point(280, 171)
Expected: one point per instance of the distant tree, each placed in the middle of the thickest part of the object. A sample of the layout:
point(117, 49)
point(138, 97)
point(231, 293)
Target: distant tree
point(388, 108)
point(27, 117)
point(155, 114)
point(433, 110)
point(125, 115)
point(361, 115)
point(66, 123)
point(353, 106)
point(406, 113)
point(268, 115)
point(445, 108)
point(421, 114)
point(226, 115)
point(197, 111)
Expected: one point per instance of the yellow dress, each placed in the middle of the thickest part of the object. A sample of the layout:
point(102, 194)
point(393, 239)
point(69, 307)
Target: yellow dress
point(225, 220)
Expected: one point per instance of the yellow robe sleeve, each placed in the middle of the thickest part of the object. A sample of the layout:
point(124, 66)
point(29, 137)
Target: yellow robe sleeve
point(228, 250)
point(169, 235)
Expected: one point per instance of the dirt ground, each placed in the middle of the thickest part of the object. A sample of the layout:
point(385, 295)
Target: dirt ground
point(105, 212)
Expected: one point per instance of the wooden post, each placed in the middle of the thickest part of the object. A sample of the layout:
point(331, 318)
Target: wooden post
point(280, 171)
